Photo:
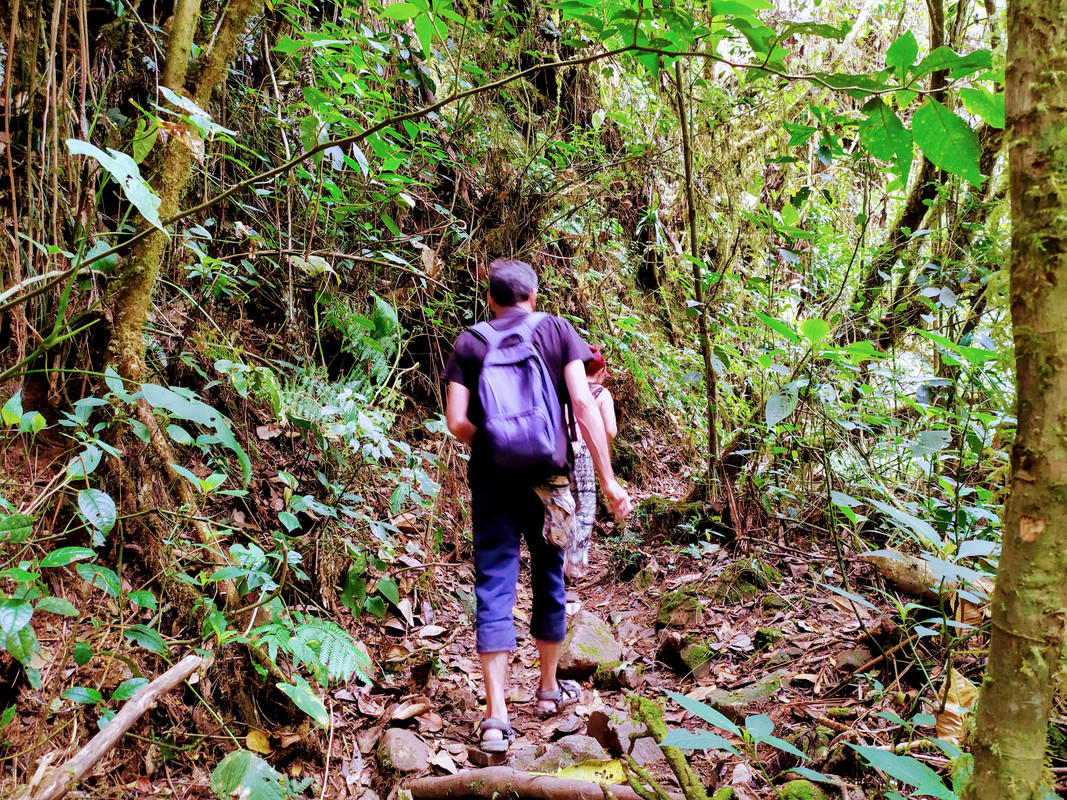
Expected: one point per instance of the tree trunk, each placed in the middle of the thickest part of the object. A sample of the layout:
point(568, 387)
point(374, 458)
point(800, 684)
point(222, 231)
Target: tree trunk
point(133, 297)
point(1030, 600)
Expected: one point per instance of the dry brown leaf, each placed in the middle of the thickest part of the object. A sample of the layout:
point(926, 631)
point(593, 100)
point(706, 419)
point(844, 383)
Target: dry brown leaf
point(258, 742)
point(959, 696)
point(430, 722)
point(443, 760)
point(289, 739)
point(411, 708)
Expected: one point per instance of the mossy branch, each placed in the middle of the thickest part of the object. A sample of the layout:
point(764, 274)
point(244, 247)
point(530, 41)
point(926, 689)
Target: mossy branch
point(650, 714)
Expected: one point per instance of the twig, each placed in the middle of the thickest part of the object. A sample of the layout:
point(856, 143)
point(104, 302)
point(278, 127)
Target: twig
point(61, 779)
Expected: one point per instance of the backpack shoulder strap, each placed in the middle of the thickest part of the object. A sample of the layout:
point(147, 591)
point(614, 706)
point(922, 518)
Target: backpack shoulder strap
point(492, 337)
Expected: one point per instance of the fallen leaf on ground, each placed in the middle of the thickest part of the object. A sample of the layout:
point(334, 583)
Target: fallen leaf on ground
point(444, 761)
point(258, 742)
point(606, 773)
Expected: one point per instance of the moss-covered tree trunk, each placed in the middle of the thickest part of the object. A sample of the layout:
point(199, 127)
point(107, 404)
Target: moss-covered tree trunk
point(1030, 600)
point(133, 297)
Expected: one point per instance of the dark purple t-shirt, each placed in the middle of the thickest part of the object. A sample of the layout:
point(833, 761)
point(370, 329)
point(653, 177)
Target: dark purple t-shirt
point(557, 342)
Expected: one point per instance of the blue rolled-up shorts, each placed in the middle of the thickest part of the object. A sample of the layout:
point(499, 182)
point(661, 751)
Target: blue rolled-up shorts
point(501, 516)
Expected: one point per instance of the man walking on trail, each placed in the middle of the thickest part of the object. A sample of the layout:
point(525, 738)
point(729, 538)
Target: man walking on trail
point(503, 475)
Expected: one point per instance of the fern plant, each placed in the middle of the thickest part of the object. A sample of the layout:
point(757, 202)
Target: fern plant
point(326, 649)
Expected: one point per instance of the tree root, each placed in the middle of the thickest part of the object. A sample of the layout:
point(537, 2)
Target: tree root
point(506, 783)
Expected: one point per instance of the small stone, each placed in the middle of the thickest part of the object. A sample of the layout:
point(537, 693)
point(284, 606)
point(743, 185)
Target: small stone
point(613, 730)
point(773, 602)
point(734, 704)
point(402, 751)
point(480, 758)
point(679, 610)
point(589, 644)
point(697, 658)
point(765, 637)
point(852, 660)
point(524, 759)
point(616, 675)
point(577, 748)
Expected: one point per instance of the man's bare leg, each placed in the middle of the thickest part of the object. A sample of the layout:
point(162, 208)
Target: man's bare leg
point(495, 672)
point(549, 653)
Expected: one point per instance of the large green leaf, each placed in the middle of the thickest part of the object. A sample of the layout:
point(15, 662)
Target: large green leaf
point(885, 137)
point(127, 175)
point(910, 523)
point(22, 644)
point(901, 54)
point(945, 58)
point(780, 405)
point(15, 528)
point(983, 103)
point(705, 712)
point(14, 616)
point(306, 700)
point(98, 508)
point(244, 774)
point(779, 326)
point(906, 769)
point(947, 140)
point(701, 740)
point(66, 555)
point(202, 414)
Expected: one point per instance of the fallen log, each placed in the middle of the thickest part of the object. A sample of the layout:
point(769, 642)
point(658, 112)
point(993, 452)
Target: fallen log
point(506, 783)
point(59, 780)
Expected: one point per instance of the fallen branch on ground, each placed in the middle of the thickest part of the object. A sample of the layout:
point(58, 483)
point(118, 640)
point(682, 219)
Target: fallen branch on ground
point(61, 779)
point(511, 784)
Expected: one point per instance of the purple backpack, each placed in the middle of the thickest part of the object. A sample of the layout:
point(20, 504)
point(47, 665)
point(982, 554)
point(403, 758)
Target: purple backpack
point(523, 418)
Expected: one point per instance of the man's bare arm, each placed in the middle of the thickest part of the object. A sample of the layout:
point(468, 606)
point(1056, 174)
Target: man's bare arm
point(587, 413)
point(456, 412)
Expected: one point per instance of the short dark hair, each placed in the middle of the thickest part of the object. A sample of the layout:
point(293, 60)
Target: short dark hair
point(511, 282)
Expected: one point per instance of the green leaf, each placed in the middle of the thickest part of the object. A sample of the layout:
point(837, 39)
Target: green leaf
point(82, 653)
point(83, 694)
point(901, 54)
point(32, 422)
point(57, 605)
point(926, 533)
point(244, 774)
point(100, 577)
point(399, 11)
point(14, 616)
point(85, 462)
point(424, 29)
point(779, 326)
point(780, 406)
point(783, 745)
point(945, 58)
point(22, 644)
point(947, 140)
point(142, 599)
point(885, 137)
point(810, 774)
point(7, 716)
point(66, 555)
point(99, 509)
point(983, 103)
point(147, 638)
point(306, 700)
point(286, 46)
point(179, 434)
point(289, 520)
point(930, 442)
point(387, 588)
point(906, 769)
point(202, 414)
point(127, 689)
point(12, 412)
point(126, 174)
point(814, 329)
point(705, 712)
point(759, 725)
point(701, 740)
point(15, 528)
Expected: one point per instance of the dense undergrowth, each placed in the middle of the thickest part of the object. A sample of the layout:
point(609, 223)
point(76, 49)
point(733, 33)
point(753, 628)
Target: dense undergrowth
point(269, 489)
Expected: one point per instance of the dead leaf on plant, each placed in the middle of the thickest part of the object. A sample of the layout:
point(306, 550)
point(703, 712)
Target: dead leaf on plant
point(960, 696)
